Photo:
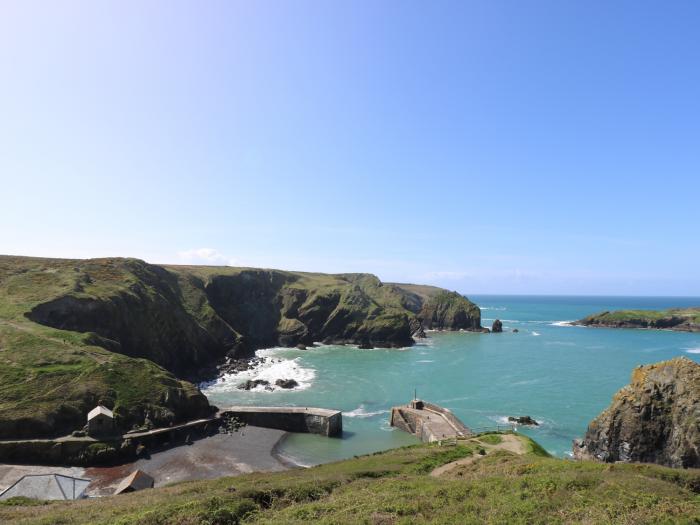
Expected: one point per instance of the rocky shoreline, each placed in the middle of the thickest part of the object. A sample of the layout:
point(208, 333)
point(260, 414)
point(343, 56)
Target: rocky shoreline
point(651, 420)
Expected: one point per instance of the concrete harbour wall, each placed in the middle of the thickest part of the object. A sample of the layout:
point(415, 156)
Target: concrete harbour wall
point(292, 419)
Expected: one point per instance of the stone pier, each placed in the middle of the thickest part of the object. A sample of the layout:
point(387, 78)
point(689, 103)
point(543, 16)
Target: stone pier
point(428, 422)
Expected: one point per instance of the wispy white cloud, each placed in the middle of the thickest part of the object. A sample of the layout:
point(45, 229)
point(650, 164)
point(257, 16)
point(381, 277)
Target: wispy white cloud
point(206, 256)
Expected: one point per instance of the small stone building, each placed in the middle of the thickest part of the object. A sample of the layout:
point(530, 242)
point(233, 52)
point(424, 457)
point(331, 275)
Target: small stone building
point(137, 480)
point(417, 404)
point(100, 422)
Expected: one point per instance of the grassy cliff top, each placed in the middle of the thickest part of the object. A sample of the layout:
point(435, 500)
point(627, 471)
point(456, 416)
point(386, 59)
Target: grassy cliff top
point(124, 333)
point(396, 487)
point(627, 315)
point(672, 318)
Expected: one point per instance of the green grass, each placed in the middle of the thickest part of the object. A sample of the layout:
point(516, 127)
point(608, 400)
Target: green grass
point(163, 318)
point(442, 457)
point(688, 315)
point(395, 487)
point(490, 439)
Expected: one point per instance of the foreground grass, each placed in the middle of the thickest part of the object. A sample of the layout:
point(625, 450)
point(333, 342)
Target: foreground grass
point(394, 487)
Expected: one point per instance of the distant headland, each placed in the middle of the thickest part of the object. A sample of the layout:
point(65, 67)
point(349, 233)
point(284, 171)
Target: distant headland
point(679, 319)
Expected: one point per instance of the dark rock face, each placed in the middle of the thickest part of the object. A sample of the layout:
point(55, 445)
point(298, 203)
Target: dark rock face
point(286, 383)
point(450, 311)
point(497, 326)
point(523, 420)
point(515, 330)
point(253, 383)
point(654, 419)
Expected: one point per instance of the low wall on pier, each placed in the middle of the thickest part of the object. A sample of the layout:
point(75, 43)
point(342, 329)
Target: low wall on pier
point(292, 419)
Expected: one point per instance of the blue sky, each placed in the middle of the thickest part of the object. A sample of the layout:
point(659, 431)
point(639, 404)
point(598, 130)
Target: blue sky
point(490, 147)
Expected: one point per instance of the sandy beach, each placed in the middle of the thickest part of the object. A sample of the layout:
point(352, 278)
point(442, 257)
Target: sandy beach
point(249, 450)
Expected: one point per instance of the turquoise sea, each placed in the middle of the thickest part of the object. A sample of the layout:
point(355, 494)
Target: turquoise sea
point(563, 376)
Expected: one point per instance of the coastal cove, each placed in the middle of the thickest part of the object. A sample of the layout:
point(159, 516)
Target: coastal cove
point(562, 376)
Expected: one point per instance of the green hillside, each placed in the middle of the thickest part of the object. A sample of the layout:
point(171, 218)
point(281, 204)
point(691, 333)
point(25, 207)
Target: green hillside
point(495, 486)
point(128, 334)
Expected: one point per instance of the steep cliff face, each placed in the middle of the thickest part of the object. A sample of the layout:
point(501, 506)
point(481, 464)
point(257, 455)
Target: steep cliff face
point(654, 419)
point(439, 309)
point(450, 311)
point(120, 331)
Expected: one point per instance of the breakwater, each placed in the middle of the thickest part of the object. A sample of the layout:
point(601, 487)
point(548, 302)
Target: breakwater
point(292, 419)
point(428, 422)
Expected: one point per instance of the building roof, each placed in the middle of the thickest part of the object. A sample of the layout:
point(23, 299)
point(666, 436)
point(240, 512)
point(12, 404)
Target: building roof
point(100, 410)
point(47, 487)
point(137, 480)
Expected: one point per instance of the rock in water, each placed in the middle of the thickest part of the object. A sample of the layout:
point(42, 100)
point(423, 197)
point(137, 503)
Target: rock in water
point(497, 326)
point(252, 383)
point(286, 383)
point(654, 419)
point(523, 420)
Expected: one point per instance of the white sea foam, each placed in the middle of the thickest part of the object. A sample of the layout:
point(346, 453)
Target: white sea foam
point(499, 308)
point(363, 413)
point(386, 426)
point(525, 382)
point(535, 333)
point(425, 361)
point(561, 323)
point(271, 369)
point(692, 350)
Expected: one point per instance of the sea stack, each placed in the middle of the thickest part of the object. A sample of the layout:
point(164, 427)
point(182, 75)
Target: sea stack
point(497, 326)
point(651, 420)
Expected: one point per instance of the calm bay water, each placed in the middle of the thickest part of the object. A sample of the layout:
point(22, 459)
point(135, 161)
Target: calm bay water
point(563, 376)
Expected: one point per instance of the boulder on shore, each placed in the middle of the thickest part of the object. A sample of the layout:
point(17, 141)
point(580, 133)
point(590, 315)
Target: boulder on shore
point(497, 326)
point(523, 420)
point(651, 420)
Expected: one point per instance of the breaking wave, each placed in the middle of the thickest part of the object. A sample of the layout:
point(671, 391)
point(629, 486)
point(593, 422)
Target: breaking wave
point(363, 413)
point(274, 367)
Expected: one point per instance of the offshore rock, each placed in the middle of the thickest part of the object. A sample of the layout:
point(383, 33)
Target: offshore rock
point(654, 419)
point(523, 420)
point(253, 383)
point(497, 326)
point(286, 383)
